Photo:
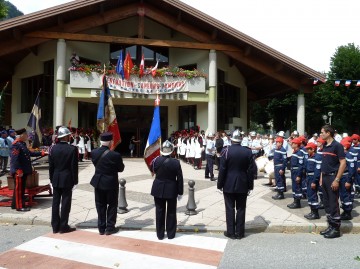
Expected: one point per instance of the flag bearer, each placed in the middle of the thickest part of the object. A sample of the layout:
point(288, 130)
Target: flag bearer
point(312, 178)
point(280, 162)
point(297, 167)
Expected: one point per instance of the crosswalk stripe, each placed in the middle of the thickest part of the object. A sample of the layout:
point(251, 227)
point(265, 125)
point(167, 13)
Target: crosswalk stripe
point(126, 250)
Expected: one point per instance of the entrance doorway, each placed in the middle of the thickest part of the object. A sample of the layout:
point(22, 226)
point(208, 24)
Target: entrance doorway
point(133, 121)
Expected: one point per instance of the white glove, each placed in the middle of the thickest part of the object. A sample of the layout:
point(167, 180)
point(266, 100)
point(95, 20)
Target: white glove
point(250, 192)
point(51, 187)
point(179, 197)
point(74, 188)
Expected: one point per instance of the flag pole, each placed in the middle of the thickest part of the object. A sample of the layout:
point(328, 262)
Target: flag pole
point(104, 96)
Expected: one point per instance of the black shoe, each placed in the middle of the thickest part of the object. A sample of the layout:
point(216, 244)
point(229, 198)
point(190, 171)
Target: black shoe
point(267, 184)
point(68, 230)
point(101, 232)
point(231, 236)
point(278, 196)
point(334, 233)
point(55, 231)
point(24, 209)
point(314, 214)
point(327, 230)
point(321, 206)
point(213, 179)
point(239, 236)
point(111, 231)
point(304, 197)
point(346, 216)
point(295, 204)
point(207, 177)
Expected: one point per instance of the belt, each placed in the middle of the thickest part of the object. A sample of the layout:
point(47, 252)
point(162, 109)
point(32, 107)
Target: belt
point(310, 174)
point(329, 174)
point(278, 165)
point(294, 168)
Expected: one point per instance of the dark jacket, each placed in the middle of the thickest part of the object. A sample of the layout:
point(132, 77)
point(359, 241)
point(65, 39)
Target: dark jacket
point(236, 170)
point(106, 172)
point(20, 157)
point(168, 183)
point(63, 165)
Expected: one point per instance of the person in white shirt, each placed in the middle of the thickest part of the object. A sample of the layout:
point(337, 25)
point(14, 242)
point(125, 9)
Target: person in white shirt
point(313, 138)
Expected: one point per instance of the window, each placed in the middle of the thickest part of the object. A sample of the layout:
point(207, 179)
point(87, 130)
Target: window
point(187, 117)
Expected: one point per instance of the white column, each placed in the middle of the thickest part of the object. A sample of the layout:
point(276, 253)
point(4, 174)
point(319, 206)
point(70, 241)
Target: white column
point(212, 119)
point(300, 114)
point(60, 85)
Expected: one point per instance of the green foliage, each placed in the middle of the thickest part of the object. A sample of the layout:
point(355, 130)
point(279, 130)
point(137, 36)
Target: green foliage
point(3, 9)
point(10, 10)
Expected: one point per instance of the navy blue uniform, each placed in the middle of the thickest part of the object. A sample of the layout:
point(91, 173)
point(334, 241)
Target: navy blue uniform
point(297, 169)
point(347, 195)
point(312, 176)
point(63, 172)
point(318, 160)
point(304, 181)
point(236, 178)
point(355, 150)
point(106, 184)
point(168, 184)
point(280, 162)
point(20, 161)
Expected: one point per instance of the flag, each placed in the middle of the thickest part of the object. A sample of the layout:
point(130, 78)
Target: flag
point(34, 122)
point(315, 81)
point(347, 83)
point(106, 116)
point(142, 66)
point(152, 149)
point(128, 65)
point(119, 66)
point(69, 124)
point(337, 83)
point(153, 70)
point(358, 83)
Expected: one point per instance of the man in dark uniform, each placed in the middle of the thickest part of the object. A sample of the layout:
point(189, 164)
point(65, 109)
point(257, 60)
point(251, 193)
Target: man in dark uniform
point(236, 179)
point(63, 171)
point(332, 168)
point(107, 164)
point(20, 168)
point(167, 186)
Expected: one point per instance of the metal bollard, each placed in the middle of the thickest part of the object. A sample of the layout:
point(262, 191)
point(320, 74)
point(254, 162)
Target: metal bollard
point(191, 205)
point(122, 198)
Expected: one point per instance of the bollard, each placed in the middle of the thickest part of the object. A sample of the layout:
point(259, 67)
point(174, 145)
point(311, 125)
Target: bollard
point(122, 198)
point(191, 205)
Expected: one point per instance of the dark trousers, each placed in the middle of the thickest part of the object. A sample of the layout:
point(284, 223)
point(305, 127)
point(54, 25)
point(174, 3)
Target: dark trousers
point(331, 201)
point(312, 194)
point(106, 202)
point(18, 199)
point(165, 210)
point(209, 169)
point(235, 224)
point(4, 163)
point(296, 187)
point(346, 195)
point(280, 179)
point(59, 220)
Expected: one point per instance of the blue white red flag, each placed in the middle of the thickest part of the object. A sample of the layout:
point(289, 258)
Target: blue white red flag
point(152, 149)
point(34, 123)
point(106, 116)
point(315, 81)
point(337, 83)
point(358, 83)
point(347, 83)
point(142, 66)
point(119, 66)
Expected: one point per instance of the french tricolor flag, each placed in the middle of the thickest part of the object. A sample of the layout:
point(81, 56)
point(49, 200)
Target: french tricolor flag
point(315, 81)
point(358, 83)
point(347, 83)
point(337, 83)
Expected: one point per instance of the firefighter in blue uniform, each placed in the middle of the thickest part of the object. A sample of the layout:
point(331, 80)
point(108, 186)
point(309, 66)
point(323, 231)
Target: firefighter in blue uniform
point(347, 182)
point(318, 158)
point(355, 149)
point(20, 168)
point(303, 179)
point(297, 168)
point(280, 162)
point(312, 178)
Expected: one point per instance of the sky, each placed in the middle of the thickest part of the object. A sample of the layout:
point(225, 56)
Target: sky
point(309, 31)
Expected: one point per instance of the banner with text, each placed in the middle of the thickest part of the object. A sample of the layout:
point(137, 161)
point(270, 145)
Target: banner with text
point(148, 85)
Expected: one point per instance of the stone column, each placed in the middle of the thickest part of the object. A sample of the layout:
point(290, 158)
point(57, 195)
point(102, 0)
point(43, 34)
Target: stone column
point(300, 125)
point(60, 82)
point(212, 118)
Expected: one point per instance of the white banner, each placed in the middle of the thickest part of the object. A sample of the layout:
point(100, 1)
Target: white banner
point(148, 84)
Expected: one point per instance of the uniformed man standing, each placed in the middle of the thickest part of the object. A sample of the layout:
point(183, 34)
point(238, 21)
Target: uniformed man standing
point(107, 164)
point(332, 169)
point(63, 171)
point(210, 151)
point(280, 162)
point(20, 168)
point(236, 180)
point(167, 186)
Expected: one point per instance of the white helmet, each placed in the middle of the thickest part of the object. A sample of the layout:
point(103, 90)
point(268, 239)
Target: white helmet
point(210, 135)
point(236, 136)
point(281, 133)
point(253, 133)
point(63, 131)
point(167, 148)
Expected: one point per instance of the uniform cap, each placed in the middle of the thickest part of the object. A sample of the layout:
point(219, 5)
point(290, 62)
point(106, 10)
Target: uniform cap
point(279, 139)
point(63, 131)
point(355, 136)
point(107, 136)
point(20, 131)
point(302, 138)
point(236, 136)
point(295, 132)
point(252, 133)
point(320, 140)
point(167, 148)
point(11, 131)
point(346, 143)
point(210, 135)
point(281, 133)
point(311, 146)
point(315, 135)
point(296, 141)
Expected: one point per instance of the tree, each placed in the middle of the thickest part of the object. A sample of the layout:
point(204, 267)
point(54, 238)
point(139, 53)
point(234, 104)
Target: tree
point(11, 10)
point(3, 9)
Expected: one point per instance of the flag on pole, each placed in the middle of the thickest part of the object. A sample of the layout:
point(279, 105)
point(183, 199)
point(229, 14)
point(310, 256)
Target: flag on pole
point(119, 66)
point(142, 66)
point(347, 83)
point(153, 70)
point(34, 122)
point(315, 81)
point(128, 65)
point(106, 116)
point(358, 83)
point(152, 149)
point(337, 83)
